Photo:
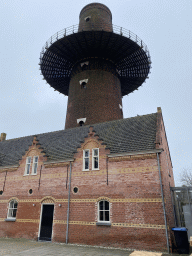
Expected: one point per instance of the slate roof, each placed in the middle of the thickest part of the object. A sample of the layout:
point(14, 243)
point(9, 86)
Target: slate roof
point(120, 136)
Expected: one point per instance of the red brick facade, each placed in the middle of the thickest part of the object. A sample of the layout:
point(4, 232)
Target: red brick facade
point(130, 183)
point(101, 99)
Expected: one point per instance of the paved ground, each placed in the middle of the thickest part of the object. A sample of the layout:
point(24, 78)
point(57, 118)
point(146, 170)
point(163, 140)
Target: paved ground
point(9, 246)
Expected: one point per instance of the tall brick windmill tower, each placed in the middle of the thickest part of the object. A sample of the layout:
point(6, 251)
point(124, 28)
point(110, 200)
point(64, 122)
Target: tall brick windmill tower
point(95, 64)
point(108, 182)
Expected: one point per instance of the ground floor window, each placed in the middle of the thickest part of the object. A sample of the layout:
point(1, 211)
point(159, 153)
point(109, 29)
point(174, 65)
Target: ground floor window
point(104, 211)
point(12, 209)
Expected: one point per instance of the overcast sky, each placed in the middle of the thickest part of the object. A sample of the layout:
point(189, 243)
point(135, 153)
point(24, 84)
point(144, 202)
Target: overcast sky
point(29, 106)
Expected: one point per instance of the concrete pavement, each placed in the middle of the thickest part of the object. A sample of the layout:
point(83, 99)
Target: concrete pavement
point(19, 247)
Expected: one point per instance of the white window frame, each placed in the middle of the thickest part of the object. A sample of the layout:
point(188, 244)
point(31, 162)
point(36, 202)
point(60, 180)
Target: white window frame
point(103, 221)
point(33, 167)
point(84, 157)
point(10, 210)
point(93, 157)
point(26, 166)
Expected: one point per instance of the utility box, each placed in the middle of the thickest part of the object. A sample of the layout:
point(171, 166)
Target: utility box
point(181, 239)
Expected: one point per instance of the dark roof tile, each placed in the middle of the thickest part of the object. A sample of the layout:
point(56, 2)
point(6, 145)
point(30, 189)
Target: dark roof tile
point(120, 136)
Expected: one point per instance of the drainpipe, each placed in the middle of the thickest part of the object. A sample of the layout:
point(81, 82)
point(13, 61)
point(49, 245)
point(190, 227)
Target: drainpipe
point(163, 202)
point(68, 204)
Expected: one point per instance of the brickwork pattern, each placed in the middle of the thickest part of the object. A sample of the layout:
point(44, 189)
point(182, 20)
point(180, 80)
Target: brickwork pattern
point(133, 190)
point(99, 15)
point(166, 171)
point(99, 102)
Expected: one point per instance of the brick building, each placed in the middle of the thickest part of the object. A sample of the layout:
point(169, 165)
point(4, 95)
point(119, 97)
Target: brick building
point(104, 180)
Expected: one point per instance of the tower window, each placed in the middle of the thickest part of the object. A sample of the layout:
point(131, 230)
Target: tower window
point(81, 123)
point(83, 83)
point(86, 160)
point(95, 159)
point(87, 18)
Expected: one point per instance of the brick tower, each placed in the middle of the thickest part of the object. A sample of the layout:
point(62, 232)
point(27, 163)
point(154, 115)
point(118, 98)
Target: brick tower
point(95, 64)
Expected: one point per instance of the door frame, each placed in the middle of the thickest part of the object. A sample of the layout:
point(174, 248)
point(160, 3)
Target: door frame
point(41, 220)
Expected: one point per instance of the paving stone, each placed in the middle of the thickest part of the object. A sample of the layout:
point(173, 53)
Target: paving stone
point(24, 247)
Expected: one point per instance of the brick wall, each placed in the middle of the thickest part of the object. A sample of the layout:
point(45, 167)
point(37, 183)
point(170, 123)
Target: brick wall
point(166, 172)
point(99, 15)
point(99, 102)
point(133, 190)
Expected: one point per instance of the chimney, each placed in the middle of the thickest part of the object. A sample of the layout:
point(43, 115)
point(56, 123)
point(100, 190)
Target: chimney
point(3, 136)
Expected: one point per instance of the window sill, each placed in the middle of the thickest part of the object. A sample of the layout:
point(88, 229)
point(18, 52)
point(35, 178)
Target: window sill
point(25, 174)
point(95, 169)
point(102, 223)
point(86, 170)
point(33, 173)
point(9, 219)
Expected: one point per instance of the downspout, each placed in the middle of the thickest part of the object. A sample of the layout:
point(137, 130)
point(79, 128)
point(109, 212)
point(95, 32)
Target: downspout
point(163, 202)
point(4, 181)
point(107, 169)
point(40, 178)
point(68, 204)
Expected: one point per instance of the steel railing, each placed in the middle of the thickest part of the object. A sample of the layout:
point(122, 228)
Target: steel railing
point(75, 29)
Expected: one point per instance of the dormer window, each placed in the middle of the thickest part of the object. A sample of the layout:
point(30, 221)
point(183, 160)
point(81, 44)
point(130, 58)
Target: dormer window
point(28, 165)
point(95, 159)
point(35, 163)
point(86, 160)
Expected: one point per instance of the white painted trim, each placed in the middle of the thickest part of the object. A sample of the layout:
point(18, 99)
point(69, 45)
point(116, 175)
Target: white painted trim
point(84, 63)
point(81, 119)
point(98, 220)
point(84, 80)
point(41, 219)
point(87, 17)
